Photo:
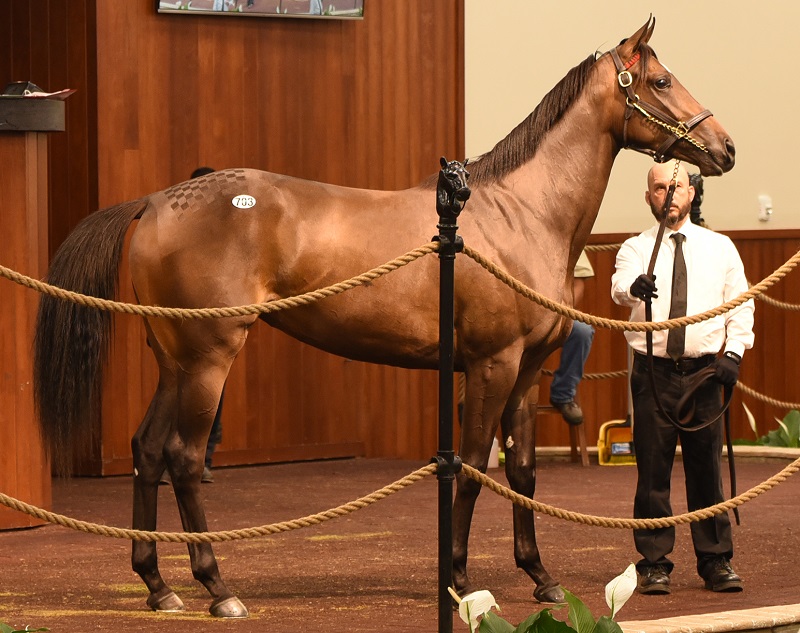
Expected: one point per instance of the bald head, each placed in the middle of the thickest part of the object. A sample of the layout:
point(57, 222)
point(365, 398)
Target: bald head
point(665, 171)
point(658, 180)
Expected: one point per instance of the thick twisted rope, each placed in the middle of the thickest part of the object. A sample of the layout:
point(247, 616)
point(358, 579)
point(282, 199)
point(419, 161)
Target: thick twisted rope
point(379, 495)
point(777, 303)
point(360, 280)
point(222, 536)
point(622, 373)
point(632, 524)
point(596, 248)
point(234, 311)
point(380, 271)
point(781, 404)
point(630, 326)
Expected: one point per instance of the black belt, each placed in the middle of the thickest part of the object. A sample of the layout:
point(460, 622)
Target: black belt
point(682, 365)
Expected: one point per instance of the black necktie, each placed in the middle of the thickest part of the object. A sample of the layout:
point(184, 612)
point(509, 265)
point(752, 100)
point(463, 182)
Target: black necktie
point(676, 339)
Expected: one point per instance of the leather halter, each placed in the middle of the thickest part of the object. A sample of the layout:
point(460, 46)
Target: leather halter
point(678, 129)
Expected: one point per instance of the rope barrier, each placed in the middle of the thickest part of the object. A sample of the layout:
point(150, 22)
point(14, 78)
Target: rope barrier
point(596, 248)
point(781, 404)
point(363, 279)
point(630, 326)
point(234, 311)
point(779, 304)
point(622, 373)
point(783, 305)
point(391, 266)
point(383, 493)
point(632, 524)
point(222, 536)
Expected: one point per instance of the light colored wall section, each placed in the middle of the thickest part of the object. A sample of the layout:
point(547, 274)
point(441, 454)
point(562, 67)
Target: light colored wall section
point(735, 59)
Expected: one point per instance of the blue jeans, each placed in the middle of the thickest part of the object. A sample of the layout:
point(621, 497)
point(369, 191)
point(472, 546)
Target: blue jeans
point(573, 358)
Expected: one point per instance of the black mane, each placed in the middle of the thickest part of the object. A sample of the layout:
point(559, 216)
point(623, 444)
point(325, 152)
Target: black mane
point(522, 142)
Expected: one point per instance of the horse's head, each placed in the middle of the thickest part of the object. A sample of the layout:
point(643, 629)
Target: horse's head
point(661, 118)
point(452, 191)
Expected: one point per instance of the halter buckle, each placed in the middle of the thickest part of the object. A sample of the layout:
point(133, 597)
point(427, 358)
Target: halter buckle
point(625, 78)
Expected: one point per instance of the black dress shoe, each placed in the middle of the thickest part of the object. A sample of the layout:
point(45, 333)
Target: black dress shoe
point(570, 411)
point(654, 581)
point(719, 576)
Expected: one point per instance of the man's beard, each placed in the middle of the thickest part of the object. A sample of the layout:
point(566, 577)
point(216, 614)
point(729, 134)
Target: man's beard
point(671, 220)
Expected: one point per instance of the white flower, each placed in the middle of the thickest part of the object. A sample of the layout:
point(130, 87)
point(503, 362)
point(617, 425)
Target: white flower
point(750, 419)
point(474, 605)
point(620, 589)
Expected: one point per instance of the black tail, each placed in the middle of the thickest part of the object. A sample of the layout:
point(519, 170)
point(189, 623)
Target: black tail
point(72, 341)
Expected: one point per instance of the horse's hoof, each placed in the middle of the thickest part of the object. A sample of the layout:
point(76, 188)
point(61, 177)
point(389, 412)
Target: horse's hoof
point(230, 607)
point(552, 594)
point(169, 603)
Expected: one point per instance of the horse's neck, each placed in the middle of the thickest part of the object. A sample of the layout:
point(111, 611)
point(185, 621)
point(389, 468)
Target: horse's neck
point(561, 188)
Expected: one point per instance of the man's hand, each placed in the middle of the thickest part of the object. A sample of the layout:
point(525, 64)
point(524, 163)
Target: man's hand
point(644, 288)
point(726, 371)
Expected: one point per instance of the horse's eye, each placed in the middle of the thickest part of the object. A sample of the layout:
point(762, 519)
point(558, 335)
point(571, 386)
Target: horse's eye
point(662, 83)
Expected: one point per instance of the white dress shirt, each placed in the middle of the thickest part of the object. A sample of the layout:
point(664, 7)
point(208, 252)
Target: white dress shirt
point(715, 275)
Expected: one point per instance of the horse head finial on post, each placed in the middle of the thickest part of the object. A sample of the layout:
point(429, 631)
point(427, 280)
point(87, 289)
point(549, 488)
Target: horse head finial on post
point(452, 191)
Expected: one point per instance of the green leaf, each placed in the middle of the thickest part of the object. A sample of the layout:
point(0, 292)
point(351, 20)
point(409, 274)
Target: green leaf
point(580, 616)
point(530, 623)
point(607, 625)
point(4, 628)
point(543, 622)
point(493, 623)
point(792, 425)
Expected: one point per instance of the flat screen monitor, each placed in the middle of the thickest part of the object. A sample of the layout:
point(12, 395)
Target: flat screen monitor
point(321, 9)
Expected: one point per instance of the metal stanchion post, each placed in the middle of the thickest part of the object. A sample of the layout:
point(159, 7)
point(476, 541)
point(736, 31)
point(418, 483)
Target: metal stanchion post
point(451, 194)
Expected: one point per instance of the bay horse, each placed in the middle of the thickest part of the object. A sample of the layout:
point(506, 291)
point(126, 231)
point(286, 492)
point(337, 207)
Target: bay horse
point(535, 197)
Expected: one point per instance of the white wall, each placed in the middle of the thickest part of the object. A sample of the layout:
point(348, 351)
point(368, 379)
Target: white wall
point(736, 57)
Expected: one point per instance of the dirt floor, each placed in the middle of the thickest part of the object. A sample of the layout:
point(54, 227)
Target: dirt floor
point(375, 569)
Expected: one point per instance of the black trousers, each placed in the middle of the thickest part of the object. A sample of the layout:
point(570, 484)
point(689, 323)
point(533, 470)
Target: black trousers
point(655, 440)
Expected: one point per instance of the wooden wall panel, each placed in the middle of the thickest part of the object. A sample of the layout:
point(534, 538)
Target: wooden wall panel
point(51, 43)
point(369, 103)
point(24, 469)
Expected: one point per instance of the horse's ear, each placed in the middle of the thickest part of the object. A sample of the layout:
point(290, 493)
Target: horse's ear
point(629, 46)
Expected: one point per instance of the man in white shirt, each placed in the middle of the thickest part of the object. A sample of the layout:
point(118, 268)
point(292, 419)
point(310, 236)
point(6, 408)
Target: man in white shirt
point(713, 274)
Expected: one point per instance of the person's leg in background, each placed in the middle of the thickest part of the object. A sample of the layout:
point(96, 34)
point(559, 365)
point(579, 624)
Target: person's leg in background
point(570, 372)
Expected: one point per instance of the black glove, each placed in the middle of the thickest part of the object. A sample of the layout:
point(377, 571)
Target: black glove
point(726, 370)
point(644, 288)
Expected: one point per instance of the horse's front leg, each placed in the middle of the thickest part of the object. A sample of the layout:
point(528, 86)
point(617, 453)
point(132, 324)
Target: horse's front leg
point(148, 465)
point(519, 437)
point(487, 389)
point(199, 393)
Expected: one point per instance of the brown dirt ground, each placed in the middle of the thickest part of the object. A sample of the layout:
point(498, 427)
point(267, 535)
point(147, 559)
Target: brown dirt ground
point(375, 569)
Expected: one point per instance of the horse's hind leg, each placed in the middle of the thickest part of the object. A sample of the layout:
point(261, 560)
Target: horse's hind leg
point(199, 391)
point(519, 433)
point(148, 462)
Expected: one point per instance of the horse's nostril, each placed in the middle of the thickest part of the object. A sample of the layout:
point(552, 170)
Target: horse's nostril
point(730, 147)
